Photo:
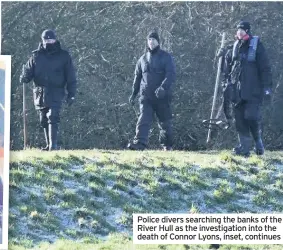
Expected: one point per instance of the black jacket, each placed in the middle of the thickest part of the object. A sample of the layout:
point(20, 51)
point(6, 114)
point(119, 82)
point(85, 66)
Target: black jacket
point(227, 64)
point(251, 78)
point(52, 73)
point(154, 69)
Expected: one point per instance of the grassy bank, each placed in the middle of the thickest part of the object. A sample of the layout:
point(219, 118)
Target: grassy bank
point(87, 198)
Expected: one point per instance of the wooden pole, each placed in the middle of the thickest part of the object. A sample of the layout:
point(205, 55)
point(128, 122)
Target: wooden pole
point(24, 114)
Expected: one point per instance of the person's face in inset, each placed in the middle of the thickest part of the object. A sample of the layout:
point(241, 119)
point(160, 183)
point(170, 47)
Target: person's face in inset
point(48, 41)
point(241, 34)
point(152, 43)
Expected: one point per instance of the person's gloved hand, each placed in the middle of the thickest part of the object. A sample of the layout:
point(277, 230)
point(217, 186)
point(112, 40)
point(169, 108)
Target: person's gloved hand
point(160, 92)
point(221, 52)
point(132, 99)
point(70, 100)
point(230, 122)
point(267, 95)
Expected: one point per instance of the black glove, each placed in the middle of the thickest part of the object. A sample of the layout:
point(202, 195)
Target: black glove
point(221, 52)
point(132, 99)
point(267, 95)
point(160, 93)
point(230, 122)
point(70, 100)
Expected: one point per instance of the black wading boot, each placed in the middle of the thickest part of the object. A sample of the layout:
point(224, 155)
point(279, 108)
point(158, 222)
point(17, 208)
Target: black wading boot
point(46, 135)
point(256, 133)
point(136, 146)
point(243, 149)
point(167, 148)
point(259, 148)
point(53, 134)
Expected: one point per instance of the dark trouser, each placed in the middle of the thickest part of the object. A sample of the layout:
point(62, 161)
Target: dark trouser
point(227, 104)
point(49, 116)
point(162, 109)
point(248, 118)
point(49, 120)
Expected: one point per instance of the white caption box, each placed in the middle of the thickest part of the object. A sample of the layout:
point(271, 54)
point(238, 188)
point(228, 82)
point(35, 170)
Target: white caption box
point(208, 228)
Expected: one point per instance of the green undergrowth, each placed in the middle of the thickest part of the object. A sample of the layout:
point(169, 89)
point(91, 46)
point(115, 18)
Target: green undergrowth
point(85, 199)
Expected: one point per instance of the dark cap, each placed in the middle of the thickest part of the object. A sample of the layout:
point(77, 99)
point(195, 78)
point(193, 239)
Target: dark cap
point(153, 34)
point(48, 34)
point(244, 25)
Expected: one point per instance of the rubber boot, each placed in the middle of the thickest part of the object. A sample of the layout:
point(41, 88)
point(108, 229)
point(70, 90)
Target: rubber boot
point(46, 135)
point(243, 149)
point(167, 148)
point(53, 134)
point(136, 146)
point(259, 148)
point(165, 135)
point(256, 133)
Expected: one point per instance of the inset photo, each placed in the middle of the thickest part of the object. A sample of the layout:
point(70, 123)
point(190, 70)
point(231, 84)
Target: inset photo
point(5, 90)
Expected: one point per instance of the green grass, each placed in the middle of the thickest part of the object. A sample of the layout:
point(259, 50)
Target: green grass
point(85, 199)
point(121, 242)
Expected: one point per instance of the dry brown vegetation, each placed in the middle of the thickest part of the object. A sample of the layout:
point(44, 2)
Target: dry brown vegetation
point(106, 39)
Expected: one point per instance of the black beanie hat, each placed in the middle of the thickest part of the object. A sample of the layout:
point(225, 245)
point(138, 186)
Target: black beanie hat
point(153, 34)
point(244, 25)
point(48, 34)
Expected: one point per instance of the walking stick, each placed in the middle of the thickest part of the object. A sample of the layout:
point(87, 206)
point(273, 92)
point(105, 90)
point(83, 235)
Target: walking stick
point(24, 113)
point(216, 88)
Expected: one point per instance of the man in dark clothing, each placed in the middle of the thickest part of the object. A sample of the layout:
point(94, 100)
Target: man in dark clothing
point(251, 82)
point(154, 77)
point(52, 71)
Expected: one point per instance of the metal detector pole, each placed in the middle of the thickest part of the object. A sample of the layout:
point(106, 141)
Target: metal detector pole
point(216, 88)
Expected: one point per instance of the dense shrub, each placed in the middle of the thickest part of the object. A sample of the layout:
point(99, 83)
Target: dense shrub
point(106, 39)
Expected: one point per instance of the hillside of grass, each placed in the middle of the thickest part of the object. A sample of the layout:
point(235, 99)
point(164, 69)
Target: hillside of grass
point(85, 199)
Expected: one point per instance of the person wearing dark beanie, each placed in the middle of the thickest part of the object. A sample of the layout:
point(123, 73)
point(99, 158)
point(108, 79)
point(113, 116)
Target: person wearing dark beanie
point(52, 72)
point(252, 82)
point(154, 78)
point(246, 26)
point(49, 40)
point(48, 34)
point(154, 35)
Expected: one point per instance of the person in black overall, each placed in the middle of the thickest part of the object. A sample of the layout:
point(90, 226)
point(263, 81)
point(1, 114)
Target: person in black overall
point(154, 79)
point(52, 71)
point(251, 83)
